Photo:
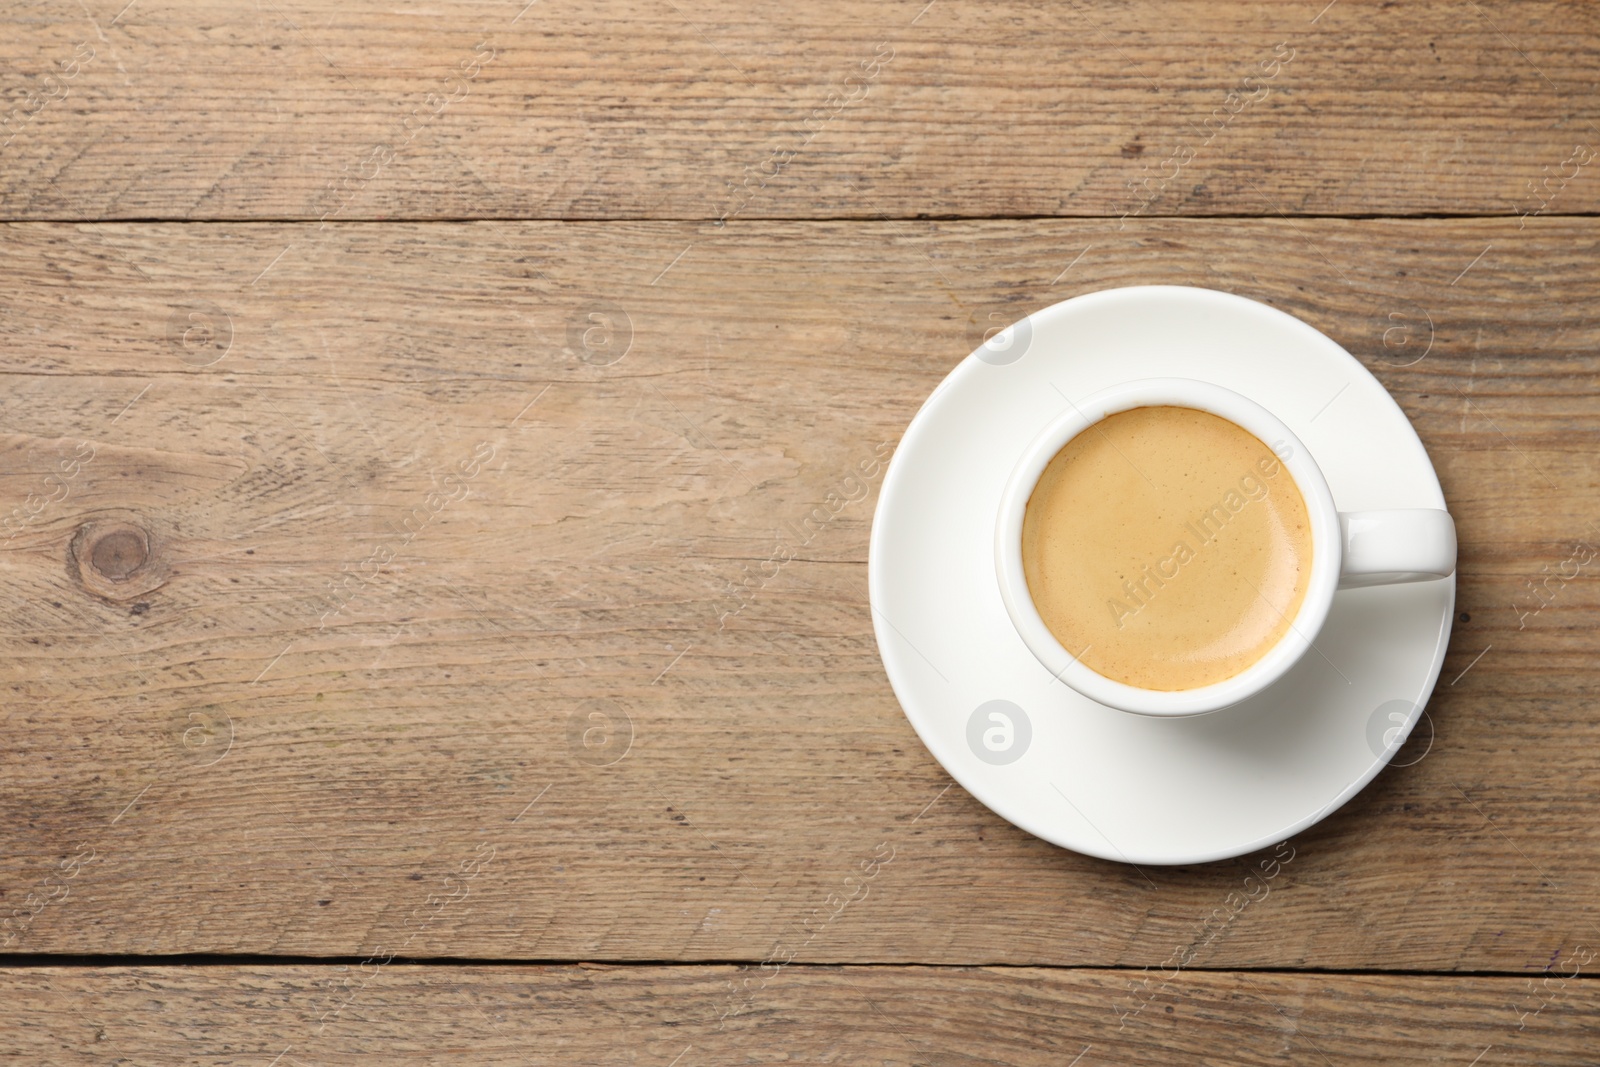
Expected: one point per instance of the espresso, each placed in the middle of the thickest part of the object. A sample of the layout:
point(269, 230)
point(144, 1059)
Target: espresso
point(1167, 548)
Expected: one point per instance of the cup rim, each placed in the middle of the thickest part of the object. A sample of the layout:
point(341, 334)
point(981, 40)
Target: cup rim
point(1326, 546)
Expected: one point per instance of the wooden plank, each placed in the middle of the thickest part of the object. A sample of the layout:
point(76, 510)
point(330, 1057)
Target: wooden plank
point(404, 569)
point(307, 1016)
point(309, 109)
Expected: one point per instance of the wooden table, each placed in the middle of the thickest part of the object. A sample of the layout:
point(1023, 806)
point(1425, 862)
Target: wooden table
point(402, 403)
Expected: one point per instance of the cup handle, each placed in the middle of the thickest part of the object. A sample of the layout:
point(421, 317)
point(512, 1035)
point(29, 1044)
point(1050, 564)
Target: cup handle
point(1390, 547)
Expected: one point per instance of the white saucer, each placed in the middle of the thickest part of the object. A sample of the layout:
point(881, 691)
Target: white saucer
point(1084, 776)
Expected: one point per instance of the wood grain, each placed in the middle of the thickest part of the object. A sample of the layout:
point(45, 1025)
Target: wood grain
point(306, 658)
point(309, 109)
point(707, 1015)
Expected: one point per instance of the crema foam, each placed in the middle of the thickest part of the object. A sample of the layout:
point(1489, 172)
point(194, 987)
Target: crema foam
point(1167, 548)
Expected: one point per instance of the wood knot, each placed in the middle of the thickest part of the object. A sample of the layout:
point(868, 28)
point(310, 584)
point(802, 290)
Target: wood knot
point(115, 559)
point(119, 553)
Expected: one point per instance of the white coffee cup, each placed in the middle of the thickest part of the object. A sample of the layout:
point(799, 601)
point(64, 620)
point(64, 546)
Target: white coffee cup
point(1347, 548)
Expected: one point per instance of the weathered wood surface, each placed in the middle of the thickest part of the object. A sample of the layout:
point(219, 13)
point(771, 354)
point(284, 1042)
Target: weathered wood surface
point(309, 1016)
point(208, 745)
point(722, 109)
